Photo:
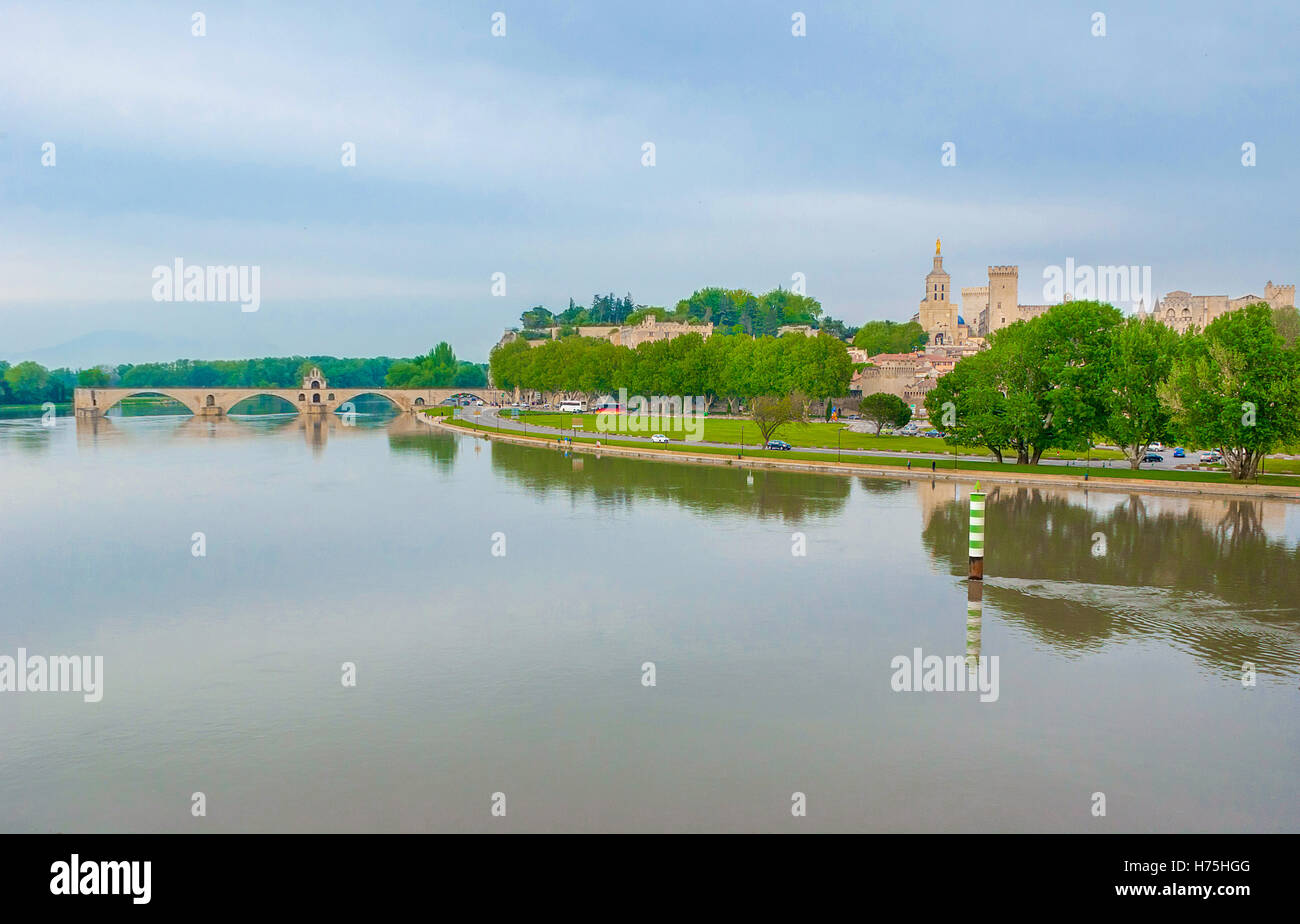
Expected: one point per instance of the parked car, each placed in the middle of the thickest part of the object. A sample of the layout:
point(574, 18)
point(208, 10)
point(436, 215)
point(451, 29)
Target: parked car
point(1179, 453)
point(1153, 457)
point(932, 433)
point(1207, 456)
point(658, 438)
point(1156, 447)
point(778, 444)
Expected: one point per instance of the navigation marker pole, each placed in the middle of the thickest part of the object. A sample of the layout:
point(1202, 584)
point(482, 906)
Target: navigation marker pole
point(976, 535)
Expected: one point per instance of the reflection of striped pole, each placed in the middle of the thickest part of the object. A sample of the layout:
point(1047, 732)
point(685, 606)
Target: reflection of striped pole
point(974, 613)
point(976, 534)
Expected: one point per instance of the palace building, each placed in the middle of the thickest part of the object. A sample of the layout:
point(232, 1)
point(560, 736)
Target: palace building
point(996, 305)
point(1183, 310)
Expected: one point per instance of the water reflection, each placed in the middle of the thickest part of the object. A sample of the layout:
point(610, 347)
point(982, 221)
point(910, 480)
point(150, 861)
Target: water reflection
point(314, 429)
point(525, 670)
point(619, 482)
point(1216, 576)
point(407, 436)
point(30, 435)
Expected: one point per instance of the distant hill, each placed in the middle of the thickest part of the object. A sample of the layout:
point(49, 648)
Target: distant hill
point(113, 347)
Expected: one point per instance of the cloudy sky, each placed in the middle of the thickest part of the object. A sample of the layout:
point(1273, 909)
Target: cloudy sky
point(522, 154)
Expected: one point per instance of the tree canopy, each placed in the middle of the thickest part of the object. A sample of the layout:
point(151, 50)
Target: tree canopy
point(889, 337)
point(731, 368)
point(1081, 372)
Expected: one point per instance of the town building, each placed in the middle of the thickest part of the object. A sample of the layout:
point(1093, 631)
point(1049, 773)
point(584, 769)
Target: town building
point(650, 329)
point(963, 327)
point(909, 376)
point(1183, 310)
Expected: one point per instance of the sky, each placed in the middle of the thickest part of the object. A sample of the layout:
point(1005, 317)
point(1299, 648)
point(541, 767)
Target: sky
point(522, 154)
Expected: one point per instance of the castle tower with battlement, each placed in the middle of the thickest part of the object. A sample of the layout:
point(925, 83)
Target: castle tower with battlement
point(1279, 296)
point(1004, 298)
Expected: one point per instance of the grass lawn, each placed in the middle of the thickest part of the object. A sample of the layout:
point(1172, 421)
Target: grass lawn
point(814, 435)
point(8, 411)
point(919, 465)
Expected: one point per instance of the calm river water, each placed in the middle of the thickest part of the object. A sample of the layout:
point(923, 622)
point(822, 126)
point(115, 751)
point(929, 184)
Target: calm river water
point(1121, 624)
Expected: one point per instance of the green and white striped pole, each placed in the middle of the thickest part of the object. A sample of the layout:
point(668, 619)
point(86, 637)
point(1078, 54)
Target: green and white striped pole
point(976, 535)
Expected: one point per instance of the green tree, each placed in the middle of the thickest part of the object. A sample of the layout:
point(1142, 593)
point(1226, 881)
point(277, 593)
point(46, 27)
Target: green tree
point(837, 328)
point(1074, 340)
point(536, 318)
point(970, 406)
point(884, 409)
point(889, 337)
point(771, 412)
point(1237, 386)
point(1287, 321)
point(94, 377)
point(27, 382)
point(1142, 355)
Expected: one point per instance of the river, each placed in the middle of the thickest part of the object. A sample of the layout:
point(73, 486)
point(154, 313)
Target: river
point(504, 606)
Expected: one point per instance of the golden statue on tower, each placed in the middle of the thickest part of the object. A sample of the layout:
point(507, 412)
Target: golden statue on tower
point(936, 247)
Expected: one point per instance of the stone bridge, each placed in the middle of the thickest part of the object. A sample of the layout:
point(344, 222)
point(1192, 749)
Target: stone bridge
point(314, 398)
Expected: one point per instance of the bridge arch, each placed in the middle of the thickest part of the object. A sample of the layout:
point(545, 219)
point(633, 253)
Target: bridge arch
point(282, 401)
point(456, 396)
point(348, 395)
point(120, 395)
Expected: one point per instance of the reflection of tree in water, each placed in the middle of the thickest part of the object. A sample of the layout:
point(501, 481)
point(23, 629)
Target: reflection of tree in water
point(1209, 578)
point(618, 481)
point(27, 438)
point(421, 439)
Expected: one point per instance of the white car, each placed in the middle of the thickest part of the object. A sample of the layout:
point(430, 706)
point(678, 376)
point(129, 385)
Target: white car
point(658, 438)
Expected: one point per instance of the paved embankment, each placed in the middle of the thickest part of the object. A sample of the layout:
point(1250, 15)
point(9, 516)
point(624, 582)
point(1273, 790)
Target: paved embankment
point(1121, 485)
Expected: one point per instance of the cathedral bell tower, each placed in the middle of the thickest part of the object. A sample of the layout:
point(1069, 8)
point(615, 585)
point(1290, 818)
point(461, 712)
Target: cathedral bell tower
point(938, 313)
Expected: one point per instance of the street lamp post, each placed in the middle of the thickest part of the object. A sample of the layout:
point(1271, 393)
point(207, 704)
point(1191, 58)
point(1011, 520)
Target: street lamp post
point(740, 450)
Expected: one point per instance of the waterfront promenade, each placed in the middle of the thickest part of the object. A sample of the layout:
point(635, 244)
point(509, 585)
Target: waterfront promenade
point(510, 431)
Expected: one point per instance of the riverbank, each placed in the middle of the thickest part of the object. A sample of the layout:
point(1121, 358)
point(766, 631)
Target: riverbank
point(29, 411)
point(1099, 479)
